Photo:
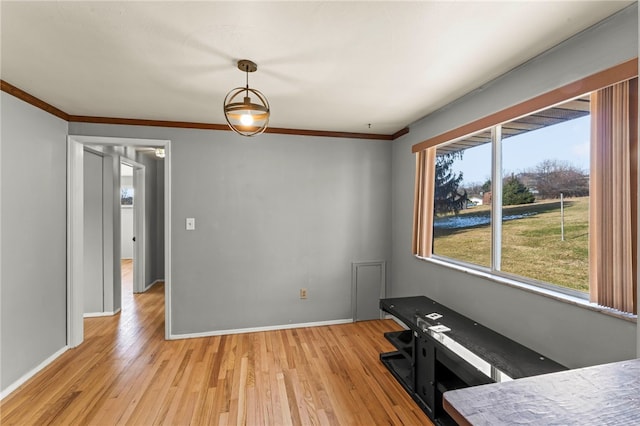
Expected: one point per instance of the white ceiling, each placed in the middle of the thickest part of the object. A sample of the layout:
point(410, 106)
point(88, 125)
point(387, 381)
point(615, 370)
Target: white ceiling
point(334, 66)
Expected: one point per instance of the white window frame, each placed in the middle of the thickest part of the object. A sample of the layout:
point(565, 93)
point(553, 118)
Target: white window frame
point(496, 226)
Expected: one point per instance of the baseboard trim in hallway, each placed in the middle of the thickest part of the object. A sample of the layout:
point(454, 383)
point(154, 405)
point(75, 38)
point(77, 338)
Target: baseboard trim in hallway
point(100, 314)
point(153, 283)
point(22, 380)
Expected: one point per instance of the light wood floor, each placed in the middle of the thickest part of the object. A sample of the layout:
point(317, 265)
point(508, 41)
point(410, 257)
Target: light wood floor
point(126, 373)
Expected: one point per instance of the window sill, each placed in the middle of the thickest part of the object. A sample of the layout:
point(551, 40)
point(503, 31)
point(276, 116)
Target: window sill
point(572, 300)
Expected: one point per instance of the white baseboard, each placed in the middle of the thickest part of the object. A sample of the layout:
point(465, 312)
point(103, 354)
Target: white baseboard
point(100, 314)
point(15, 385)
point(257, 329)
point(152, 284)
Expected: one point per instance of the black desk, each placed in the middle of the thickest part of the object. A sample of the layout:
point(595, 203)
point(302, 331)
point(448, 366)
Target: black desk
point(431, 360)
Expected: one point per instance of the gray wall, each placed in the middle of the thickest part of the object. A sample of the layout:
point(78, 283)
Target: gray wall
point(93, 283)
point(273, 214)
point(571, 335)
point(158, 231)
point(101, 205)
point(110, 219)
point(154, 211)
point(111, 231)
point(33, 218)
point(111, 188)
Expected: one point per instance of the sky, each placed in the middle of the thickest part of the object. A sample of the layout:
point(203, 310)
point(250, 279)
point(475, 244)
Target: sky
point(566, 142)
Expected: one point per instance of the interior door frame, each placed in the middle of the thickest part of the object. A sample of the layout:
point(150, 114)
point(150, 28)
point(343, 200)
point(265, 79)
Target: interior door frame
point(139, 258)
point(75, 221)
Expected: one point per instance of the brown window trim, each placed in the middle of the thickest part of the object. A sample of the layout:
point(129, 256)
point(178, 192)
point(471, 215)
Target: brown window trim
point(621, 72)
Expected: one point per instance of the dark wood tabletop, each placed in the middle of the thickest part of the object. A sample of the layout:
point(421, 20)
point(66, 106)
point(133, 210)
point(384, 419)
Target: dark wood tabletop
point(607, 394)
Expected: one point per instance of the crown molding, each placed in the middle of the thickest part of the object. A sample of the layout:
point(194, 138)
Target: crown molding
point(329, 134)
point(30, 99)
point(143, 122)
point(38, 103)
point(399, 133)
point(224, 127)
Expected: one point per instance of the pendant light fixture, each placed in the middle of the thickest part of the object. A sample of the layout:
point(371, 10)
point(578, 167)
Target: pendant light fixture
point(245, 116)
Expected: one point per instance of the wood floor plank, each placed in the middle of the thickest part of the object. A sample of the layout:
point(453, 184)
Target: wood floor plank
point(126, 373)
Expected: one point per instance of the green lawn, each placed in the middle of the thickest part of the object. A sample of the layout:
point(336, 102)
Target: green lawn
point(532, 245)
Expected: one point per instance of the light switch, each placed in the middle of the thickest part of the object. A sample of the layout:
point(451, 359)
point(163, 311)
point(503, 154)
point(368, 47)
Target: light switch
point(191, 223)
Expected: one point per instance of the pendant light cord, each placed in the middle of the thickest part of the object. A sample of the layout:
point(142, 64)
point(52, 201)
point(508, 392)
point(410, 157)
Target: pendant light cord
point(246, 71)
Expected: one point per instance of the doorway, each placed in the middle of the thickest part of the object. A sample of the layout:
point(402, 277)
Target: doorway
point(119, 148)
point(127, 236)
point(132, 224)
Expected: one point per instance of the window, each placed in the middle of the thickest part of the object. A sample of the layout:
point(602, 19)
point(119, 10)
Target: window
point(545, 195)
point(126, 196)
point(517, 197)
point(462, 228)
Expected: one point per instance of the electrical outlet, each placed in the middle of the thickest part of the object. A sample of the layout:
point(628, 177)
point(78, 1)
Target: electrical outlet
point(303, 293)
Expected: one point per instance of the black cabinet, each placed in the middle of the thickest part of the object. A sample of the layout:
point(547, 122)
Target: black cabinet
point(442, 350)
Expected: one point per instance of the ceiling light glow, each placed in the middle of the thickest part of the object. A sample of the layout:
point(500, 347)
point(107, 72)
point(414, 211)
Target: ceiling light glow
point(246, 117)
